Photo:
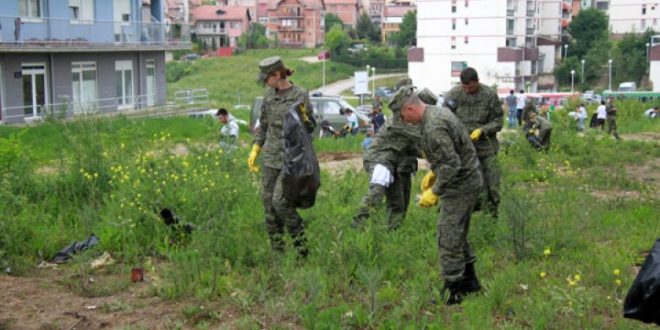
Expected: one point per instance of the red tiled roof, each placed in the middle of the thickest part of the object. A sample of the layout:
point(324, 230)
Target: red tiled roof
point(397, 11)
point(341, 2)
point(308, 4)
point(211, 13)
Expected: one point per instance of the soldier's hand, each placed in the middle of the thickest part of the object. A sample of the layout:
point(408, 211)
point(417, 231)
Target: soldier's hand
point(252, 159)
point(428, 181)
point(429, 199)
point(476, 134)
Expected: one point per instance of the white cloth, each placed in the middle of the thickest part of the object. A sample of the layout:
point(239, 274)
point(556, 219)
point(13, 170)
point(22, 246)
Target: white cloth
point(521, 101)
point(352, 120)
point(381, 176)
point(581, 113)
point(601, 112)
point(650, 113)
point(230, 129)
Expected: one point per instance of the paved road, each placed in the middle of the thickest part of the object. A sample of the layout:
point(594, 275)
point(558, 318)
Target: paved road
point(338, 87)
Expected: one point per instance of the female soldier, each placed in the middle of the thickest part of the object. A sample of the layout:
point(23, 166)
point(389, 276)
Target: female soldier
point(280, 95)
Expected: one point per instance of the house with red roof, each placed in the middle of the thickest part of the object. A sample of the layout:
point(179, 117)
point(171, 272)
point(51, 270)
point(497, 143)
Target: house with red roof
point(296, 23)
point(347, 10)
point(220, 26)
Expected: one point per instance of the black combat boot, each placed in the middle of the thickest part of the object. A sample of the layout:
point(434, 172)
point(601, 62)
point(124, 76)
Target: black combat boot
point(453, 292)
point(470, 282)
point(300, 244)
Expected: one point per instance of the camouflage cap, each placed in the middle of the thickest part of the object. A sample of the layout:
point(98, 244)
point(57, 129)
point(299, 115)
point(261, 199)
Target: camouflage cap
point(400, 98)
point(427, 96)
point(268, 66)
point(403, 82)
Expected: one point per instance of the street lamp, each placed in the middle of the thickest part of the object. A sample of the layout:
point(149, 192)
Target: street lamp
point(609, 79)
point(582, 75)
point(565, 51)
point(647, 51)
point(373, 77)
point(572, 77)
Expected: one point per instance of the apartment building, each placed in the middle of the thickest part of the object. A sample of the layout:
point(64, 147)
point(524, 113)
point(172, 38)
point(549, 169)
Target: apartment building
point(513, 44)
point(296, 23)
point(83, 56)
point(392, 17)
point(634, 16)
point(220, 26)
point(347, 10)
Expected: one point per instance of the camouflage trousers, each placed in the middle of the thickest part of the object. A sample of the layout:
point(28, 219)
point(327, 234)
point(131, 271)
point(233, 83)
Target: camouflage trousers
point(490, 172)
point(611, 126)
point(453, 226)
point(280, 215)
point(397, 196)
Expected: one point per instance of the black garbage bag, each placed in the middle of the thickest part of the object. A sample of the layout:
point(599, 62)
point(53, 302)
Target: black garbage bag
point(302, 176)
point(63, 255)
point(643, 299)
point(173, 221)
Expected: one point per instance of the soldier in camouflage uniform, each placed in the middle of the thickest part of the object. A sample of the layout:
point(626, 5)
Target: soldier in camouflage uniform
point(611, 118)
point(537, 131)
point(269, 141)
point(480, 110)
point(447, 145)
point(391, 153)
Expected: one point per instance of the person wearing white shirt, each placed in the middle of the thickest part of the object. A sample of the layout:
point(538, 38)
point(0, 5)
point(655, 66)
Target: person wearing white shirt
point(353, 125)
point(521, 105)
point(601, 115)
point(652, 113)
point(229, 131)
point(581, 116)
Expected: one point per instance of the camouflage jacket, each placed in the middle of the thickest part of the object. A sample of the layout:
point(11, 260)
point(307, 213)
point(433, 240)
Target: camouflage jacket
point(540, 124)
point(275, 106)
point(480, 110)
point(448, 148)
point(395, 147)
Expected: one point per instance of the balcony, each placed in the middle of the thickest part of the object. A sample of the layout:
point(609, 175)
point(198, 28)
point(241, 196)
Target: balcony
point(286, 28)
point(64, 35)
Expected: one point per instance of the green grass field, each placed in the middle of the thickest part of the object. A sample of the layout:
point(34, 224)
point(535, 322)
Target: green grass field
point(574, 225)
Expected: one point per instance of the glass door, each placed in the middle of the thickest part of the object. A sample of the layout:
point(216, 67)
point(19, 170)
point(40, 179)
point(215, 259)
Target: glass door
point(124, 83)
point(151, 83)
point(34, 88)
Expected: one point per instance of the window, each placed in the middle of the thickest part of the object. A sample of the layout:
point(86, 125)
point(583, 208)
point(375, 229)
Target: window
point(124, 84)
point(655, 21)
point(642, 24)
point(35, 92)
point(466, 21)
point(151, 82)
point(81, 10)
point(643, 9)
point(453, 24)
point(84, 86)
point(466, 3)
point(453, 42)
point(29, 8)
point(466, 40)
point(453, 6)
point(457, 67)
point(331, 108)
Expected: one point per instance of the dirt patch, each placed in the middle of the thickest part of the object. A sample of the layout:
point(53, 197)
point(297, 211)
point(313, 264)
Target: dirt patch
point(643, 137)
point(340, 162)
point(648, 173)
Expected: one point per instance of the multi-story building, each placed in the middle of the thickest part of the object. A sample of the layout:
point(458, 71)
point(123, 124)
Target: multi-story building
point(347, 10)
point(392, 17)
point(296, 23)
point(375, 10)
point(180, 11)
point(628, 16)
point(513, 44)
point(81, 56)
point(220, 26)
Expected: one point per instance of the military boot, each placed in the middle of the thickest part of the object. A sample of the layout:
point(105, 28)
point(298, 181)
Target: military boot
point(300, 244)
point(453, 292)
point(470, 282)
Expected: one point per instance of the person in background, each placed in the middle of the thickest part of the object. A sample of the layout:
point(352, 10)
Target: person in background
point(611, 118)
point(652, 113)
point(512, 105)
point(229, 131)
point(581, 116)
point(520, 106)
point(601, 116)
point(537, 131)
point(377, 119)
point(352, 119)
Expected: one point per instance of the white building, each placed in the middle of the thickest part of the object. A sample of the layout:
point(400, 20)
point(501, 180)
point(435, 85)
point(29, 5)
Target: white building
point(511, 43)
point(634, 16)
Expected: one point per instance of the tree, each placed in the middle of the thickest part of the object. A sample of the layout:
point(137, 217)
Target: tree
point(332, 20)
point(254, 37)
point(586, 29)
point(367, 29)
point(408, 30)
point(629, 60)
point(336, 40)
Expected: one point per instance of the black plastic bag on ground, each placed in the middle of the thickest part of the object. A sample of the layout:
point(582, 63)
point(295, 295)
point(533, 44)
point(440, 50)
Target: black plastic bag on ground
point(643, 299)
point(302, 177)
point(75, 247)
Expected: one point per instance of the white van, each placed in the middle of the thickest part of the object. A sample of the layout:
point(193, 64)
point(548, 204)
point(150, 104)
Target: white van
point(629, 86)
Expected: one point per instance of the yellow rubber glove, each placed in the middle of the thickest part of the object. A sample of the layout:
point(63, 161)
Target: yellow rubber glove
point(476, 134)
point(428, 181)
point(252, 159)
point(303, 112)
point(428, 199)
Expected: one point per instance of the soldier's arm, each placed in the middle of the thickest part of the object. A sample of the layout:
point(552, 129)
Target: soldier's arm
point(310, 124)
point(446, 161)
point(495, 115)
point(260, 136)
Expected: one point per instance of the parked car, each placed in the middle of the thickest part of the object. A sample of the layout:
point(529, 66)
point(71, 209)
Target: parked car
point(325, 108)
point(629, 86)
point(190, 57)
point(384, 93)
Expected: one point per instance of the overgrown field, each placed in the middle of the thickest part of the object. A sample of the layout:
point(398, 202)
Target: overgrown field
point(574, 224)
